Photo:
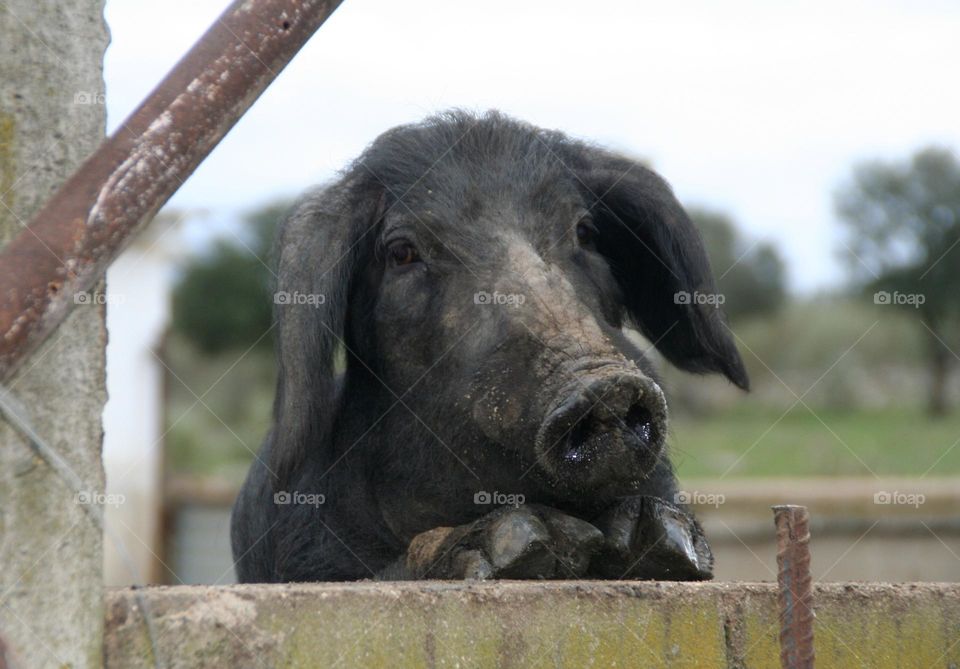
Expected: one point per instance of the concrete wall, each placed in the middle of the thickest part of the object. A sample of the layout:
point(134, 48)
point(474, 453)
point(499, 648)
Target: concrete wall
point(51, 117)
point(513, 624)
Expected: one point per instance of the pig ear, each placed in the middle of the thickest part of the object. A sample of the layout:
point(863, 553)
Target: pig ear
point(318, 248)
point(658, 258)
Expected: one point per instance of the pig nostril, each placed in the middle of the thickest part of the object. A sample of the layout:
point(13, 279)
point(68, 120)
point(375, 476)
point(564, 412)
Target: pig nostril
point(589, 436)
point(640, 421)
point(578, 435)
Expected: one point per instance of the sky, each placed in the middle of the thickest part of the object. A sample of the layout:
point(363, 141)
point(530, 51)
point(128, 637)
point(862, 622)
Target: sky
point(758, 109)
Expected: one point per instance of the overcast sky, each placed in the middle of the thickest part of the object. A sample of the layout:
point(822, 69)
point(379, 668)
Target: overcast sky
point(754, 108)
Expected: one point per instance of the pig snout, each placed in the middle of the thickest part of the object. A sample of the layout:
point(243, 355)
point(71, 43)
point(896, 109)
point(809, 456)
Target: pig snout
point(605, 430)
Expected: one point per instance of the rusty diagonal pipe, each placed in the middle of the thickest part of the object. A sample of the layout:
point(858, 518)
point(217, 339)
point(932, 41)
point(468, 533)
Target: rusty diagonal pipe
point(66, 248)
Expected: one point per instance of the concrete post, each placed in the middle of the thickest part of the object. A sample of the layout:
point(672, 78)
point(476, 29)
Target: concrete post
point(51, 117)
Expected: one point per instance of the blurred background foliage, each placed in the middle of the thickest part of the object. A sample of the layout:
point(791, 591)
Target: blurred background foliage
point(224, 298)
point(844, 383)
point(750, 274)
point(901, 222)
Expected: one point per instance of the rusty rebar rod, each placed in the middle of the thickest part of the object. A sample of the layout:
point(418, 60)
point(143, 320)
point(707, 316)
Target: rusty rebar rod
point(69, 244)
point(795, 586)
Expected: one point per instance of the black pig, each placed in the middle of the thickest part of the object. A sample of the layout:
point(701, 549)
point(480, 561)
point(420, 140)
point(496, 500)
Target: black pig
point(491, 419)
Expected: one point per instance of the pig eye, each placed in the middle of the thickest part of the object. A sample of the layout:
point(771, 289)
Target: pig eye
point(401, 252)
point(586, 233)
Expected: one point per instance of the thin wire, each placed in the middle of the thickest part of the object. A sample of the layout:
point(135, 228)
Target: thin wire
point(16, 414)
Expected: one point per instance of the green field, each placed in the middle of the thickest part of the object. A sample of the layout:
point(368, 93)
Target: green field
point(764, 442)
point(217, 410)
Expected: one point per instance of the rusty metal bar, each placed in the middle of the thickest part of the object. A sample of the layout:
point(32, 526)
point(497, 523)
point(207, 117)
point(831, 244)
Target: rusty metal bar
point(69, 244)
point(796, 586)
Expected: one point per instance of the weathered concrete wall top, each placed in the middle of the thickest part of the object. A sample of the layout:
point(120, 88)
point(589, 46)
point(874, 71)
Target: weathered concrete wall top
point(523, 624)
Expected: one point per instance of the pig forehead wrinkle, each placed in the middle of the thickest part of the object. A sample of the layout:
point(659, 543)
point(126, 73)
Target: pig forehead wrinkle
point(498, 220)
point(513, 200)
point(552, 305)
point(521, 255)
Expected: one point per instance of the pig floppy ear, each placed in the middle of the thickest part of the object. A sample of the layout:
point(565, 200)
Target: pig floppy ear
point(658, 258)
point(318, 249)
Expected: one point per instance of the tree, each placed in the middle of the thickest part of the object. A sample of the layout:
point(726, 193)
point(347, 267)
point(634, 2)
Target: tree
point(902, 224)
point(750, 276)
point(224, 299)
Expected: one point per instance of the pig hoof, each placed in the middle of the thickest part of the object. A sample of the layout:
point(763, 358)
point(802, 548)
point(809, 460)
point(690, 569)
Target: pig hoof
point(650, 538)
point(525, 542)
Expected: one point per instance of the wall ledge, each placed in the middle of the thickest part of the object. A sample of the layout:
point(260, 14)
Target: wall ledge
point(526, 624)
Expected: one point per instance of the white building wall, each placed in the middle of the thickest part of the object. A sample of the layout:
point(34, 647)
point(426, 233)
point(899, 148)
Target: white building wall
point(139, 284)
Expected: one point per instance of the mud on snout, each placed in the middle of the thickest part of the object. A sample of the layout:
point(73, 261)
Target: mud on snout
point(605, 432)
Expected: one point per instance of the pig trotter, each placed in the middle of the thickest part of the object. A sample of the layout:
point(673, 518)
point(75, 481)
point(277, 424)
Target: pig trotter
point(650, 538)
point(525, 542)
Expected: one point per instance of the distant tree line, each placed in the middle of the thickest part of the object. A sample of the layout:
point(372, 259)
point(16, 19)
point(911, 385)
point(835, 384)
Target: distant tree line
point(750, 274)
point(224, 298)
point(902, 242)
